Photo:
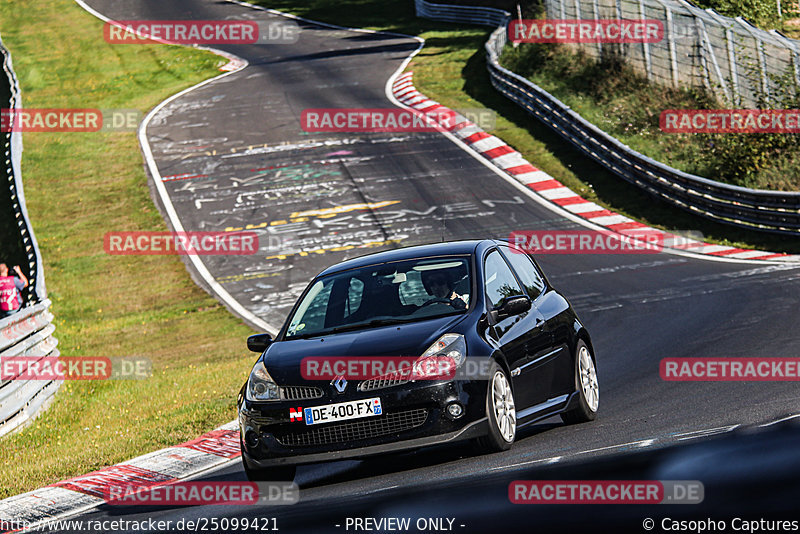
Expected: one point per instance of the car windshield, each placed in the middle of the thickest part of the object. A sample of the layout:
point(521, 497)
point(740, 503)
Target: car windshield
point(382, 294)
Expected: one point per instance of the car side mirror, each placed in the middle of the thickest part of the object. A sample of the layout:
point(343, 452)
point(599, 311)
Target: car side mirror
point(259, 342)
point(514, 306)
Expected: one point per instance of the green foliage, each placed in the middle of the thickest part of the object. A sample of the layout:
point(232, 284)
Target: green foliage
point(622, 102)
point(77, 187)
point(762, 13)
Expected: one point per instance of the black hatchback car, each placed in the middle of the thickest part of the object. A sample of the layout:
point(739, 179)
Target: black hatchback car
point(332, 384)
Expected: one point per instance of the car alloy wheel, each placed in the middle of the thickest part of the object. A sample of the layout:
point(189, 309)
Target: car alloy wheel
point(584, 404)
point(588, 379)
point(503, 405)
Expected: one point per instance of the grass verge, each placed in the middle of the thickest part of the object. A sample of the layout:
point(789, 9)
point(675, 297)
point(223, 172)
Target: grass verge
point(79, 186)
point(609, 94)
point(451, 69)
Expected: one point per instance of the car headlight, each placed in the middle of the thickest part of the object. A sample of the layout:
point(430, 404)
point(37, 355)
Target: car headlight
point(442, 358)
point(261, 386)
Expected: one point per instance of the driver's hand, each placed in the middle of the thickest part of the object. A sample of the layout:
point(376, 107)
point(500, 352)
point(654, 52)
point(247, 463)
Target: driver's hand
point(456, 302)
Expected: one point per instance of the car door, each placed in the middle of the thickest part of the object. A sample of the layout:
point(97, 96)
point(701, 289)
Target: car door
point(545, 358)
point(514, 334)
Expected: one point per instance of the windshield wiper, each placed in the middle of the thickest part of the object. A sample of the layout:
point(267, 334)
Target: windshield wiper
point(372, 323)
point(346, 327)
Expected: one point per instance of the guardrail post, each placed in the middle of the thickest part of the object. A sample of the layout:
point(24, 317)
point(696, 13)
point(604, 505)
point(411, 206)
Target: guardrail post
point(618, 13)
point(706, 46)
point(794, 55)
point(730, 40)
point(648, 63)
point(673, 59)
point(596, 13)
point(762, 61)
point(701, 50)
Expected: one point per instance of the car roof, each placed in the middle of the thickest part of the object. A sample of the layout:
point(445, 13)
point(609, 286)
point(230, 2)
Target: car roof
point(406, 253)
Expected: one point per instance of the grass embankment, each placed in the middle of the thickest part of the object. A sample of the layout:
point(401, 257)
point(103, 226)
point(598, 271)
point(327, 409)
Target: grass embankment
point(79, 186)
point(451, 69)
point(612, 96)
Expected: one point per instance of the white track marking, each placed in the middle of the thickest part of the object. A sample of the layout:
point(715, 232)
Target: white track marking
point(177, 225)
point(562, 211)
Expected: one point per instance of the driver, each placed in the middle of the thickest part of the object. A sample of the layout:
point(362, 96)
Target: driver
point(438, 284)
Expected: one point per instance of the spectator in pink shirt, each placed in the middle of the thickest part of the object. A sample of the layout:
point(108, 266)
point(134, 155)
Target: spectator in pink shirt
point(10, 287)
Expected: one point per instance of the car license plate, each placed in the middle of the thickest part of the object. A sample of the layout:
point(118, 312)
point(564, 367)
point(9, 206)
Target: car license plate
point(343, 411)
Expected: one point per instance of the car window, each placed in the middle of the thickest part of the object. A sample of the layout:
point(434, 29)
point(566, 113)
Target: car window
point(499, 280)
point(311, 314)
point(525, 269)
point(354, 294)
point(412, 291)
point(399, 291)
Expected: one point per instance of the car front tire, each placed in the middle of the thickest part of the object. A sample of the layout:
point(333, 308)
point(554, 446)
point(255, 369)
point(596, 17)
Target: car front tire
point(587, 387)
point(500, 412)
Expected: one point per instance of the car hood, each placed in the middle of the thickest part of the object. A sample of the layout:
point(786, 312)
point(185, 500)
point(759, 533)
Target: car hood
point(283, 358)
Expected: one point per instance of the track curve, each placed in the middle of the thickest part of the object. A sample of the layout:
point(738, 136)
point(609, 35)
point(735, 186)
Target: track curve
point(231, 154)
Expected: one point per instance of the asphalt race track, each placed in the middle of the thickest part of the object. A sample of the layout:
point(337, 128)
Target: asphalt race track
point(232, 153)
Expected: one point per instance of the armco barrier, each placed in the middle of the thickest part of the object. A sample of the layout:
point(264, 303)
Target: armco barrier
point(28, 332)
point(771, 211)
point(732, 58)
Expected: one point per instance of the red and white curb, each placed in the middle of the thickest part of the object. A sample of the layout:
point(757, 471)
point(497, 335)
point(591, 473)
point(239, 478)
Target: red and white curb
point(235, 63)
point(76, 495)
point(505, 158)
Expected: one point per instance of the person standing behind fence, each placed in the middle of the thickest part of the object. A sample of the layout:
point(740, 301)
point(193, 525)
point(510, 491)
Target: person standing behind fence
point(10, 287)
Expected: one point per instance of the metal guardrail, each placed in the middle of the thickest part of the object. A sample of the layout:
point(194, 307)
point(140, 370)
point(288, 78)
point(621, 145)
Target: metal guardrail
point(486, 16)
point(771, 211)
point(700, 48)
point(27, 333)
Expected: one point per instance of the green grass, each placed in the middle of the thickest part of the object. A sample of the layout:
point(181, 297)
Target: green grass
point(762, 13)
point(622, 103)
point(451, 69)
point(79, 186)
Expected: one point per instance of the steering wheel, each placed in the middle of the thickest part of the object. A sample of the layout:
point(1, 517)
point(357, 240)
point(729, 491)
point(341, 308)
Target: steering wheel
point(440, 300)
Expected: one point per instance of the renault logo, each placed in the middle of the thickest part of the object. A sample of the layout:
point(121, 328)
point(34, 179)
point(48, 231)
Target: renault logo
point(340, 383)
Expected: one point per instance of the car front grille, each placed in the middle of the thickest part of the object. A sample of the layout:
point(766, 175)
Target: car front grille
point(372, 427)
point(385, 381)
point(300, 392)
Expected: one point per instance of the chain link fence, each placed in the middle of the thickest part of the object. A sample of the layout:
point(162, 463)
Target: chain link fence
point(771, 211)
point(742, 65)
